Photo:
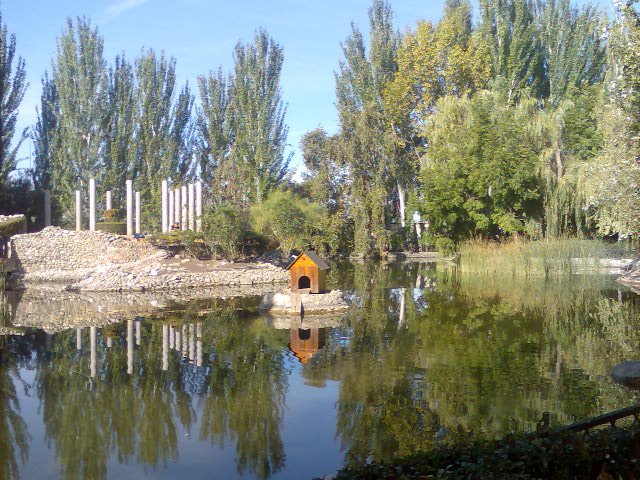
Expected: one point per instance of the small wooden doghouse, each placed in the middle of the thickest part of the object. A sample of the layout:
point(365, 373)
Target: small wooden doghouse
point(305, 343)
point(308, 273)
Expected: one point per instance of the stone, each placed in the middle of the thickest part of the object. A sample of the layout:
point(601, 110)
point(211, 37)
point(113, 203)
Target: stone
point(627, 373)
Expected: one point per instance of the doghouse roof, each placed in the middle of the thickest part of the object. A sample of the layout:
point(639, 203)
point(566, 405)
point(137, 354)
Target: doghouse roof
point(314, 257)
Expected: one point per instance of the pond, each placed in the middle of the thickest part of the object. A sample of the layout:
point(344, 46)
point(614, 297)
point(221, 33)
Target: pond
point(214, 390)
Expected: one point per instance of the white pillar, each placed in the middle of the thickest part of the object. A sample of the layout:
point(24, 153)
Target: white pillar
point(78, 211)
point(165, 347)
point(78, 338)
point(92, 341)
point(129, 345)
point(199, 345)
point(170, 219)
point(47, 208)
point(199, 206)
point(129, 207)
point(178, 205)
point(109, 342)
point(177, 342)
point(92, 204)
point(192, 342)
point(183, 219)
point(109, 200)
point(165, 207)
point(138, 332)
point(171, 337)
point(138, 212)
point(185, 341)
point(192, 207)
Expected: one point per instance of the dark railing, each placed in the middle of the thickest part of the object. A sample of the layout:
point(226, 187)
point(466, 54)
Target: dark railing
point(607, 419)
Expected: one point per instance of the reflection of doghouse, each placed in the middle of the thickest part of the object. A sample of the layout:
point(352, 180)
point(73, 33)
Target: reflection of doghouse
point(308, 273)
point(305, 343)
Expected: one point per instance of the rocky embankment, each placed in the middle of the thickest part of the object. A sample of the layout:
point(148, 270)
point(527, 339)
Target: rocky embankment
point(96, 261)
point(631, 278)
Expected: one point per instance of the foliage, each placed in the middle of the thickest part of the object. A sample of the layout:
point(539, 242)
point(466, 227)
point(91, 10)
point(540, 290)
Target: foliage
point(610, 452)
point(12, 89)
point(290, 220)
point(8, 228)
point(479, 176)
point(119, 228)
point(224, 228)
point(114, 215)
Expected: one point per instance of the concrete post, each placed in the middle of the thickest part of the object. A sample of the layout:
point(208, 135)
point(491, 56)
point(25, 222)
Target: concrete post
point(199, 345)
point(165, 347)
point(138, 212)
point(184, 217)
point(138, 332)
point(171, 337)
point(165, 206)
point(199, 206)
point(109, 200)
point(170, 219)
point(78, 211)
point(92, 204)
point(78, 338)
point(178, 205)
point(129, 345)
point(47, 208)
point(192, 207)
point(129, 207)
point(93, 354)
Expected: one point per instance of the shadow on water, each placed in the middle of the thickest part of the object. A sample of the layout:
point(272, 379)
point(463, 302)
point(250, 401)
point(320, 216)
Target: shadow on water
point(427, 355)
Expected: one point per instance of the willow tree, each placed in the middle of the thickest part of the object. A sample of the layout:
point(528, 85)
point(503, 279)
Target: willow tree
point(12, 89)
point(257, 120)
point(79, 74)
point(365, 149)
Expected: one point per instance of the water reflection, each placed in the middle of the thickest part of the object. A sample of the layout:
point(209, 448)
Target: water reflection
point(429, 356)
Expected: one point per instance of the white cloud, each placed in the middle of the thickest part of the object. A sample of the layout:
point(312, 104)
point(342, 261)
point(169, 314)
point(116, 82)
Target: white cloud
point(119, 8)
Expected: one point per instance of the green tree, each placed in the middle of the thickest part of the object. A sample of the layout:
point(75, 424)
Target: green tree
point(43, 134)
point(12, 89)
point(80, 77)
point(257, 119)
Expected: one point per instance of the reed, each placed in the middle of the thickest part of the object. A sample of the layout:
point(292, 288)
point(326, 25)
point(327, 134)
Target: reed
point(521, 257)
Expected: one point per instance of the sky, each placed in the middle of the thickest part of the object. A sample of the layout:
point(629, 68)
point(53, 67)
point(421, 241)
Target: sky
point(201, 35)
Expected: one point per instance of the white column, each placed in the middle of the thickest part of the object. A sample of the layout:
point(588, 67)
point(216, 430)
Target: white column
point(92, 341)
point(199, 345)
point(138, 212)
point(185, 341)
point(129, 207)
point(165, 207)
point(78, 211)
point(170, 219)
point(92, 204)
point(199, 206)
point(165, 347)
point(78, 338)
point(47, 208)
point(192, 342)
point(192, 206)
point(138, 332)
point(178, 205)
point(177, 342)
point(171, 337)
point(129, 344)
point(109, 342)
point(183, 198)
point(109, 200)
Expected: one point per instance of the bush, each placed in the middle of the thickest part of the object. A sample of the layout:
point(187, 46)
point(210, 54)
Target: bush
point(114, 215)
point(12, 226)
point(292, 221)
point(444, 245)
point(224, 229)
point(119, 228)
point(609, 453)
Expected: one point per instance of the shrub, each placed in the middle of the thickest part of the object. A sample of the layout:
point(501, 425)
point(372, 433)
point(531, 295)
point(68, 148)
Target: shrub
point(224, 229)
point(292, 221)
point(114, 215)
point(12, 226)
point(119, 228)
point(444, 245)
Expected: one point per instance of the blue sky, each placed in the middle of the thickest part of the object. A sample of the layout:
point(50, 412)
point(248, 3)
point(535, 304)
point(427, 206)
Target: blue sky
point(201, 35)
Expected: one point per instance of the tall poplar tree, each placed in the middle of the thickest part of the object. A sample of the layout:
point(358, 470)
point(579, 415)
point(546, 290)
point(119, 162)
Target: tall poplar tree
point(119, 128)
point(12, 89)
point(45, 139)
point(80, 77)
point(360, 84)
point(257, 119)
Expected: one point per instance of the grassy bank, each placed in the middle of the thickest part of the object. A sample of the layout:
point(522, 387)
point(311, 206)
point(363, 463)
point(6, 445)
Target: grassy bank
point(518, 256)
point(608, 453)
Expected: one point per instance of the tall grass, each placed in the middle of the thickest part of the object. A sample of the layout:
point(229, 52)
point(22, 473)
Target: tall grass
point(520, 257)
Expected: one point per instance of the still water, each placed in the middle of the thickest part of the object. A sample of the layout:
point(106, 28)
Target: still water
point(211, 389)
